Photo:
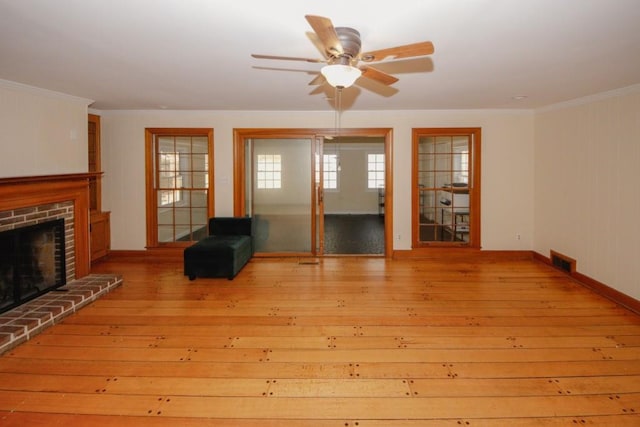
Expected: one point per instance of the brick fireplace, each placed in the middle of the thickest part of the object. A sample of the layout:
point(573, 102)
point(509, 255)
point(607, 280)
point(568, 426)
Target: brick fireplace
point(30, 200)
point(25, 201)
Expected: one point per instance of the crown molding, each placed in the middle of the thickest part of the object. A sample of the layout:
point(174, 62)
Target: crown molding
point(591, 98)
point(7, 84)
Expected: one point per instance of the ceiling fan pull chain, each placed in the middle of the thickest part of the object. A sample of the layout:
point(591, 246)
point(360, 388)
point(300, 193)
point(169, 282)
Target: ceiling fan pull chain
point(339, 124)
point(339, 108)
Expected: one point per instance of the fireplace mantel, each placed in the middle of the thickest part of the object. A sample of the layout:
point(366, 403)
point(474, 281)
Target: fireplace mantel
point(23, 192)
point(48, 178)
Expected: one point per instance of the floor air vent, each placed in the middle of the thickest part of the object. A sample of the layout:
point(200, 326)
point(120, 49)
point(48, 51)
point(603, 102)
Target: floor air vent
point(563, 262)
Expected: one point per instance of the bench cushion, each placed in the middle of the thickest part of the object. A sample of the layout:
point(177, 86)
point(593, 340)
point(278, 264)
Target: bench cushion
point(217, 256)
point(220, 245)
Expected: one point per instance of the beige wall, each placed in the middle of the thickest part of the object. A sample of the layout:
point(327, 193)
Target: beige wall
point(582, 196)
point(42, 132)
point(587, 186)
point(507, 171)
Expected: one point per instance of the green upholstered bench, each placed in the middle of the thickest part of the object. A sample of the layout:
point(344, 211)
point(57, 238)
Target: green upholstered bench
point(224, 252)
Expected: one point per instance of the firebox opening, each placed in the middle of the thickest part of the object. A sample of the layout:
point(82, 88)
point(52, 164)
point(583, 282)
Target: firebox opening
point(32, 262)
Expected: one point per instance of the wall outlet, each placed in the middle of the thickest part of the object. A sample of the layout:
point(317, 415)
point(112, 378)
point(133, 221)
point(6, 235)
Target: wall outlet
point(517, 236)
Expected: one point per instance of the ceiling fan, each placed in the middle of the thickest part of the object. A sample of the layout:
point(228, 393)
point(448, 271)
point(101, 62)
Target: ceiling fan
point(342, 54)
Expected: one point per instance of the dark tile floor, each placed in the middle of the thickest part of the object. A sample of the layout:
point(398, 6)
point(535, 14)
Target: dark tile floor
point(354, 234)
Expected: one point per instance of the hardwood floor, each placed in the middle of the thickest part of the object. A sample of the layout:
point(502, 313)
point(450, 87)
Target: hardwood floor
point(344, 342)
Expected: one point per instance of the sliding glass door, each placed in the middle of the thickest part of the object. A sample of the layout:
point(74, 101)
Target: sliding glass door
point(281, 193)
point(280, 178)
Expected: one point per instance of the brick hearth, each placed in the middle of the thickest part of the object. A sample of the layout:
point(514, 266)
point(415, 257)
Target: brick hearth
point(29, 319)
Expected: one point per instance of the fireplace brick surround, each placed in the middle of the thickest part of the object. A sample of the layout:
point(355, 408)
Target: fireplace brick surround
point(29, 200)
point(25, 200)
point(23, 217)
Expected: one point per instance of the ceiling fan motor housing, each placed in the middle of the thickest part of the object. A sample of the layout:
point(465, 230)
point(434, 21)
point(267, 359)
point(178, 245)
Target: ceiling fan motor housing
point(350, 41)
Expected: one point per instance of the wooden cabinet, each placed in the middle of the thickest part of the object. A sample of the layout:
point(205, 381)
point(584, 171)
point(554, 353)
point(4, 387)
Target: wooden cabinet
point(99, 234)
point(99, 223)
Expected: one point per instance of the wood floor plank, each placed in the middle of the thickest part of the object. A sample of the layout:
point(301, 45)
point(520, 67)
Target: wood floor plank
point(343, 342)
point(136, 341)
point(20, 419)
point(343, 309)
point(382, 319)
point(328, 355)
point(321, 342)
point(179, 386)
point(394, 408)
point(525, 386)
point(323, 370)
point(314, 387)
point(628, 333)
point(388, 408)
point(496, 370)
point(418, 298)
point(450, 355)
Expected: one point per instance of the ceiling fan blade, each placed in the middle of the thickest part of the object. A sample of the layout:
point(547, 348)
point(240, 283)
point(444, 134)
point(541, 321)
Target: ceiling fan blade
point(317, 80)
point(379, 76)
point(326, 32)
point(287, 58)
point(398, 52)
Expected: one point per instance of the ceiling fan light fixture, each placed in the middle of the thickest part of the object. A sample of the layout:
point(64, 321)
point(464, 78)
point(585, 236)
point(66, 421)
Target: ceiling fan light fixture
point(339, 75)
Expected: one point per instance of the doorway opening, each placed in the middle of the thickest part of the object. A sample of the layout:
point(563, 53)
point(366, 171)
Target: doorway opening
point(354, 186)
point(310, 194)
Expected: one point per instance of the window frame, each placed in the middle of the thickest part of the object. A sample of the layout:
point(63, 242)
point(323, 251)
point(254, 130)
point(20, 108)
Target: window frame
point(150, 180)
point(473, 185)
point(326, 178)
point(271, 167)
point(375, 170)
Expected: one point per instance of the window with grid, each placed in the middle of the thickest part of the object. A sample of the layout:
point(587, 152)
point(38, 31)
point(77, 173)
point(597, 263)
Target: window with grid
point(330, 171)
point(269, 171)
point(169, 177)
point(178, 178)
point(375, 171)
point(446, 182)
point(461, 166)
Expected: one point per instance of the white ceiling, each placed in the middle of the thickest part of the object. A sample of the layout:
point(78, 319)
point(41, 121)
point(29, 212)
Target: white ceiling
point(196, 54)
